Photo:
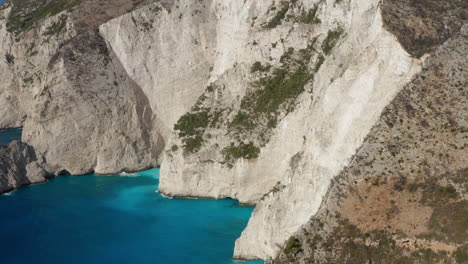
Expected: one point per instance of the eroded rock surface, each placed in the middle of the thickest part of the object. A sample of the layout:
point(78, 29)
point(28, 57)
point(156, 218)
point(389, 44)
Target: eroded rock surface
point(261, 101)
point(19, 166)
point(403, 197)
point(79, 108)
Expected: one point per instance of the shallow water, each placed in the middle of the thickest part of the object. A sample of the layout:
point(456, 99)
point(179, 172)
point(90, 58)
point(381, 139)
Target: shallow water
point(7, 136)
point(114, 219)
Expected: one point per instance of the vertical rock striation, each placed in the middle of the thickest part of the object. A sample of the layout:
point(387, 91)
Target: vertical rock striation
point(79, 108)
point(354, 68)
point(20, 165)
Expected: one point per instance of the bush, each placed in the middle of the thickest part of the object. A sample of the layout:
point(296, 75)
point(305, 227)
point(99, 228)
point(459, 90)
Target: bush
point(246, 151)
point(280, 15)
point(257, 66)
point(241, 120)
point(25, 13)
point(192, 144)
point(330, 41)
point(310, 17)
point(461, 255)
point(277, 89)
point(56, 27)
point(189, 123)
point(293, 246)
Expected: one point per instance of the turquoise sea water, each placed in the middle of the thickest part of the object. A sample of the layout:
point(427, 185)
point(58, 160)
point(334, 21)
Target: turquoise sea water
point(114, 219)
point(6, 136)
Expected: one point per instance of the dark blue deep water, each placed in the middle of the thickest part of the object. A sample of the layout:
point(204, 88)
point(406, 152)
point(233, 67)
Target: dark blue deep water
point(115, 219)
point(7, 136)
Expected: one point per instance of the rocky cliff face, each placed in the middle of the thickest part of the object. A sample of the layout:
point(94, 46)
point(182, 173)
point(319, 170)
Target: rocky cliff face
point(20, 165)
point(262, 101)
point(293, 91)
point(403, 197)
point(79, 108)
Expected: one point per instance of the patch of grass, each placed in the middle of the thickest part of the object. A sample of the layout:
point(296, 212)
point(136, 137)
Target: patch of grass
point(310, 17)
point(320, 61)
point(246, 151)
point(273, 96)
point(278, 187)
point(190, 123)
point(26, 13)
point(257, 66)
point(435, 194)
point(348, 244)
point(461, 254)
point(56, 27)
point(10, 59)
point(449, 222)
point(280, 15)
point(331, 40)
point(292, 247)
point(276, 90)
point(241, 120)
point(191, 127)
point(192, 144)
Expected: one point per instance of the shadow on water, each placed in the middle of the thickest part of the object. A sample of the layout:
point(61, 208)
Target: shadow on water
point(8, 135)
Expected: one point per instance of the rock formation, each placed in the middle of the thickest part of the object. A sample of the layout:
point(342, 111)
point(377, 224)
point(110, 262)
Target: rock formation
point(78, 107)
point(403, 197)
point(262, 101)
point(19, 166)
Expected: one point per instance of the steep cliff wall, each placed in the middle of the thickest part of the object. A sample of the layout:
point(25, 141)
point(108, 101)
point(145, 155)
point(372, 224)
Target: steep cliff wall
point(79, 108)
point(262, 101)
point(403, 197)
point(284, 95)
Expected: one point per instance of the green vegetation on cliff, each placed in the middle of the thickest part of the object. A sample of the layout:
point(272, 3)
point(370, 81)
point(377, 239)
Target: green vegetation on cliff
point(246, 151)
point(25, 13)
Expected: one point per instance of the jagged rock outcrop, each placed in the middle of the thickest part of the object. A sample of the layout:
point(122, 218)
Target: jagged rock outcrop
point(95, 115)
point(19, 166)
point(350, 69)
point(262, 101)
point(79, 108)
point(168, 52)
point(403, 197)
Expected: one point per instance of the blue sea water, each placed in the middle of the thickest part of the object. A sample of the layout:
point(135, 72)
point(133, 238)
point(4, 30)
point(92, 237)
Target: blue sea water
point(7, 136)
point(115, 219)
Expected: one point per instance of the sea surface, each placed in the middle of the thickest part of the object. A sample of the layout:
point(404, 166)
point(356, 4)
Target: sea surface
point(7, 136)
point(115, 219)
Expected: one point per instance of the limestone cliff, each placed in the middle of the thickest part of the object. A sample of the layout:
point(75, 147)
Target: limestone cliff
point(79, 108)
point(19, 165)
point(293, 91)
point(403, 197)
point(262, 101)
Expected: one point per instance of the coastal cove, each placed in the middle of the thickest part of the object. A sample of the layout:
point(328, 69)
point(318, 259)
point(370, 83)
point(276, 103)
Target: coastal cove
point(115, 219)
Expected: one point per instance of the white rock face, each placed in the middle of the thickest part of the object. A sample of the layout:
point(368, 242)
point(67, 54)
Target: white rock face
point(311, 144)
point(79, 109)
point(23, 75)
point(163, 60)
point(168, 53)
point(92, 118)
